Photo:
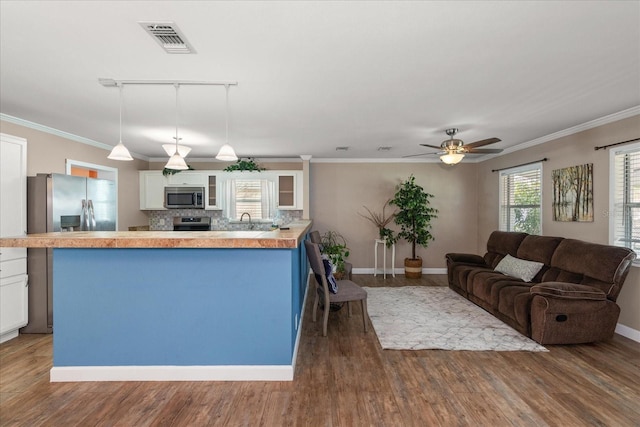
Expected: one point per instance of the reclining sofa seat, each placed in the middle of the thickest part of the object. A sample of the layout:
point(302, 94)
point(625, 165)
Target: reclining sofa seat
point(570, 300)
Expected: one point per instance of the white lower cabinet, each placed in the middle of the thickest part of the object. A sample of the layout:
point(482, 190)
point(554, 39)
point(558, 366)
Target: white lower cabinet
point(14, 300)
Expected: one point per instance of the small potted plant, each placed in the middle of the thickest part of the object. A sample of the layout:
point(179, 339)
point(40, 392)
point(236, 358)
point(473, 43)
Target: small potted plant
point(244, 165)
point(335, 247)
point(381, 220)
point(414, 218)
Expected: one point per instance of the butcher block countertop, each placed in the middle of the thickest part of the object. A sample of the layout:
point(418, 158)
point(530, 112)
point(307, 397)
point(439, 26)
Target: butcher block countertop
point(275, 239)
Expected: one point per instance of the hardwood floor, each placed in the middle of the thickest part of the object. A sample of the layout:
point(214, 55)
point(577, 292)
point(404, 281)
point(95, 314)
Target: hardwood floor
point(346, 379)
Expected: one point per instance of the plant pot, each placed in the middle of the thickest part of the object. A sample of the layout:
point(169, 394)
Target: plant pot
point(413, 268)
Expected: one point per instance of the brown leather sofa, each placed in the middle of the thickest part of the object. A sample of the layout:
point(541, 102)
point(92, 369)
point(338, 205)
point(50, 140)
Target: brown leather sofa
point(572, 299)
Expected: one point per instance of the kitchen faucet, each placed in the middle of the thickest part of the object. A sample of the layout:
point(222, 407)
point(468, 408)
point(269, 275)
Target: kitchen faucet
point(249, 215)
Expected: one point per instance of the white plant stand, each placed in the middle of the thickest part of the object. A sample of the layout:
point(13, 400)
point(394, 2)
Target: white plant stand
point(384, 258)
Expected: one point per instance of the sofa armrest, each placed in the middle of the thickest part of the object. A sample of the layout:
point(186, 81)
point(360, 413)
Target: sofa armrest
point(568, 291)
point(465, 258)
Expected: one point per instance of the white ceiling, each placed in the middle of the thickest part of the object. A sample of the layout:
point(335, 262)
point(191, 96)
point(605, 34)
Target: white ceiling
point(316, 75)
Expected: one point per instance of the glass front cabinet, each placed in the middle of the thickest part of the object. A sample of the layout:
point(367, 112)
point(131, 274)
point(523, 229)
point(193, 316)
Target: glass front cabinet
point(289, 190)
point(212, 191)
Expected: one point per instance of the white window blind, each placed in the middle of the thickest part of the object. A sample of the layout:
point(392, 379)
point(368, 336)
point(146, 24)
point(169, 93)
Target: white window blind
point(521, 199)
point(626, 198)
point(249, 198)
point(253, 196)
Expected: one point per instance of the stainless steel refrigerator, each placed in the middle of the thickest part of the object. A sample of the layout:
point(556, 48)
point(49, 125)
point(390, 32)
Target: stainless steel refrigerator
point(57, 202)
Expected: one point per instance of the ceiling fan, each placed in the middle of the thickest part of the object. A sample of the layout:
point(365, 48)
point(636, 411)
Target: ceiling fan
point(453, 150)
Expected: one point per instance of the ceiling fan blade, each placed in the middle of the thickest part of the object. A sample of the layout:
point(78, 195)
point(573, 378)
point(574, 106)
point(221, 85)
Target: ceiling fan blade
point(432, 146)
point(472, 150)
point(483, 142)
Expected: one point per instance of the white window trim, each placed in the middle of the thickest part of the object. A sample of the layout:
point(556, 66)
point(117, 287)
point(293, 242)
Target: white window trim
point(522, 169)
point(612, 188)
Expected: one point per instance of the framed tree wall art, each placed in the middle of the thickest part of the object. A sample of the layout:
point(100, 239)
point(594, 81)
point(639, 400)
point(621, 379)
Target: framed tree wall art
point(573, 193)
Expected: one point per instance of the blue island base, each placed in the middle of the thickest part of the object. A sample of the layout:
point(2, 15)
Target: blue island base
point(177, 314)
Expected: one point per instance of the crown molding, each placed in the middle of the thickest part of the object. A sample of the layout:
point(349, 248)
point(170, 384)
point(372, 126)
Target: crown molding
point(620, 115)
point(63, 134)
point(630, 112)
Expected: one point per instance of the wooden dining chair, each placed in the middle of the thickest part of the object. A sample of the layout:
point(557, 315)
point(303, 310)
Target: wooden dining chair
point(347, 290)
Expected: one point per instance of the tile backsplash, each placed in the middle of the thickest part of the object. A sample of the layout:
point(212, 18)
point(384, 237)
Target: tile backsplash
point(163, 220)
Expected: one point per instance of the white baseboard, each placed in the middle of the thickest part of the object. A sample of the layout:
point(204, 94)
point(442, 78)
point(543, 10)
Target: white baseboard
point(628, 332)
point(399, 271)
point(171, 373)
point(9, 336)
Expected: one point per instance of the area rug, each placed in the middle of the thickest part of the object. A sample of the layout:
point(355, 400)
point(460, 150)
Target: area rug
point(427, 317)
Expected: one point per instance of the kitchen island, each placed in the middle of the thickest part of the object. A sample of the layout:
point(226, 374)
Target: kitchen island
point(202, 305)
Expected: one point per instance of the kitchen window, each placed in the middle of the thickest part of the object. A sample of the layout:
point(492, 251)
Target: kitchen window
point(624, 212)
point(521, 199)
point(257, 197)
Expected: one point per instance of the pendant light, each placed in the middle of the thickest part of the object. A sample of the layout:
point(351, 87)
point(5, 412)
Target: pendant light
point(183, 150)
point(176, 161)
point(120, 152)
point(226, 152)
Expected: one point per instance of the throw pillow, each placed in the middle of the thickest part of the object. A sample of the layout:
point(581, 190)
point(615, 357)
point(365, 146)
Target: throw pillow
point(520, 268)
point(331, 281)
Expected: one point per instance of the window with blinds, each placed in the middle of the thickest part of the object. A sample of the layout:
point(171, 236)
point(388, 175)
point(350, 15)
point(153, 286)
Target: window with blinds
point(249, 198)
point(625, 216)
point(521, 199)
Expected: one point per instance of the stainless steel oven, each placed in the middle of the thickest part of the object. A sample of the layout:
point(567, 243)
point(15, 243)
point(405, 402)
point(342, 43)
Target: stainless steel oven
point(191, 223)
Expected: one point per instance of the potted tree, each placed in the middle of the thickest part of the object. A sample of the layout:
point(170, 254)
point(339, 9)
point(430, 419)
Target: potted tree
point(414, 218)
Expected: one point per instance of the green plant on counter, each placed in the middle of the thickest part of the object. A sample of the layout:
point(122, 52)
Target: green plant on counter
point(244, 165)
point(167, 172)
point(335, 247)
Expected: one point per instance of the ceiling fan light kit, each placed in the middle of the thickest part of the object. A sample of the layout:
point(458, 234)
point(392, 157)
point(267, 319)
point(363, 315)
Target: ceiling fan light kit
point(452, 158)
point(452, 150)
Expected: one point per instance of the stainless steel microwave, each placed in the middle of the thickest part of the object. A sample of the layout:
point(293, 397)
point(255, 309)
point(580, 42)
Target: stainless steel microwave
point(184, 197)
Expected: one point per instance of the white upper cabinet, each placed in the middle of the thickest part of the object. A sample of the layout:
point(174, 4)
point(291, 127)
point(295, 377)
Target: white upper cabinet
point(288, 186)
point(212, 190)
point(289, 190)
point(188, 179)
point(152, 185)
point(13, 186)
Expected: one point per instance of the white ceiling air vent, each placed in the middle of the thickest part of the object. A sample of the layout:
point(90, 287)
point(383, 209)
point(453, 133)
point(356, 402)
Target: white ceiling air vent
point(169, 36)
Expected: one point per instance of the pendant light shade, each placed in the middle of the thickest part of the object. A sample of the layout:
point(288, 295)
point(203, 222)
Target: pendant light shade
point(227, 153)
point(120, 152)
point(183, 150)
point(452, 158)
point(176, 161)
